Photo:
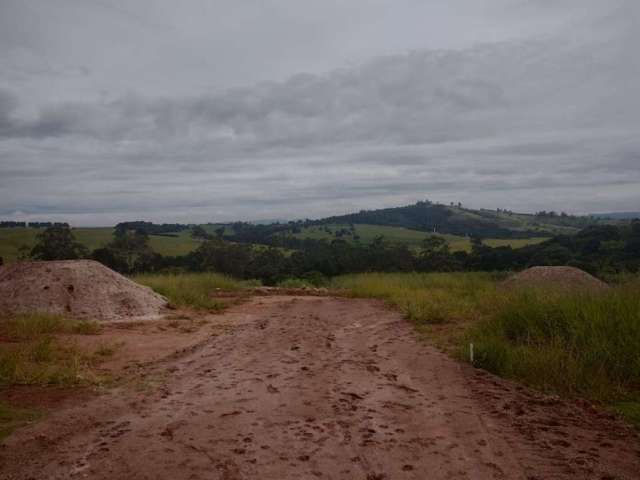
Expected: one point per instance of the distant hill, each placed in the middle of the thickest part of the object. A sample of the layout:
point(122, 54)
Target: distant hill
point(617, 215)
point(455, 220)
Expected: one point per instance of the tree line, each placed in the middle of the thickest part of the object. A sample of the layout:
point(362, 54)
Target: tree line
point(598, 249)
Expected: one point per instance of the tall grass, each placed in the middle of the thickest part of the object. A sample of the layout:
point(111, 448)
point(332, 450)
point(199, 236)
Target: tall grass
point(568, 343)
point(30, 353)
point(562, 342)
point(193, 290)
point(32, 325)
point(429, 298)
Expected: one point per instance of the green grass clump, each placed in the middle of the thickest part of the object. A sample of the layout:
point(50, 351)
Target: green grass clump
point(28, 326)
point(44, 361)
point(31, 354)
point(295, 283)
point(193, 290)
point(565, 342)
point(429, 298)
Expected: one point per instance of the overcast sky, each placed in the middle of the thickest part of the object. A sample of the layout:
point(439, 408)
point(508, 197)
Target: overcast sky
point(214, 110)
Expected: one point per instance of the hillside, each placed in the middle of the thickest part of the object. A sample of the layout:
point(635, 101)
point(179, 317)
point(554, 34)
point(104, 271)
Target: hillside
point(365, 233)
point(455, 220)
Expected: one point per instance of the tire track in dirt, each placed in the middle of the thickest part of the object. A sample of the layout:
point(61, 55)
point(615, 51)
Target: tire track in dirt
point(318, 387)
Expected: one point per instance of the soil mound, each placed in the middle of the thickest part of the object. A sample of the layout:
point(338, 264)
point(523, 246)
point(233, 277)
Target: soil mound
point(565, 278)
point(77, 288)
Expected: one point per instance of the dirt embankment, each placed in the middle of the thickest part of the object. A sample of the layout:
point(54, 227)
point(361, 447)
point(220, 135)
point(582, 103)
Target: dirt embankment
point(562, 278)
point(318, 387)
point(76, 288)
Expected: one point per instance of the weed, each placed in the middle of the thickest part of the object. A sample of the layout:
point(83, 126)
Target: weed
point(28, 326)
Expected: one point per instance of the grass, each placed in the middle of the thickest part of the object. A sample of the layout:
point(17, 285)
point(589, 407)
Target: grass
point(31, 354)
point(426, 298)
point(567, 343)
point(11, 239)
point(30, 326)
point(191, 289)
point(13, 417)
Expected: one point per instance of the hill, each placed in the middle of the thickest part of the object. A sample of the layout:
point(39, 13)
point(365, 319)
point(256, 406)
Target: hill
point(426, 216)
point(617, 215)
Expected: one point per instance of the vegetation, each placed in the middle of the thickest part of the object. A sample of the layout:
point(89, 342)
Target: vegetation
point(425, 297)
point(30, 353)
point(454, 219)
point(602, 250)
point(12, 417)
point(57, 243)
point(12, 239)
point(33, 325)
point(191, 290)
point(567, 343)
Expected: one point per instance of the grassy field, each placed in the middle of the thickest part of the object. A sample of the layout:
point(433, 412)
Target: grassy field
point(413, 238)
point(192, 290)
point(11, 239)
point(566, 343)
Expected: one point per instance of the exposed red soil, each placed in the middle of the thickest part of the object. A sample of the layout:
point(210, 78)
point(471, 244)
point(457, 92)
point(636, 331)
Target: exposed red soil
point(319, 387)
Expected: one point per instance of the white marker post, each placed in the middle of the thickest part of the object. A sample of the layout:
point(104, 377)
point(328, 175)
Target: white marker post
point(471, 353)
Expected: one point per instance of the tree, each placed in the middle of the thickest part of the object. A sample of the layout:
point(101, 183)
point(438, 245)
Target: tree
point(128, 252)
point(57, 243)
point(199, 232)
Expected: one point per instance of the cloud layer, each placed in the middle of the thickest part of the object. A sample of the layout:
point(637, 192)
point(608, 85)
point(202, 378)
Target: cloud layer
point(547, 122)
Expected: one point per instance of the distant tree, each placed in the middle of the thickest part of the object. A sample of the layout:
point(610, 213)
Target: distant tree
point(220, 231)
point(128, 252)
point(199, 232)
point(57, 243)
point(435, 255)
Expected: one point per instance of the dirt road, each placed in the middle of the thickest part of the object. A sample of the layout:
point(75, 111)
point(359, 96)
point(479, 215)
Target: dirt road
point(329, 388)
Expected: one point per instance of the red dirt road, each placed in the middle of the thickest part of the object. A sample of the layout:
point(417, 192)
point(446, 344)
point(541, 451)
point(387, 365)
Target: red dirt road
point(317, 387)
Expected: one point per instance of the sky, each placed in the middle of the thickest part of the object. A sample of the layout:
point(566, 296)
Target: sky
point(219, 110)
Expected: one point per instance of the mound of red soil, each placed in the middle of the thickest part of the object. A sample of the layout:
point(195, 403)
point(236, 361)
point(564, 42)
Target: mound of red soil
point(76, 288)
point(566, 278)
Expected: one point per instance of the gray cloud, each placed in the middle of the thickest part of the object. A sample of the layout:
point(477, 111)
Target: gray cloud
point(549, 120)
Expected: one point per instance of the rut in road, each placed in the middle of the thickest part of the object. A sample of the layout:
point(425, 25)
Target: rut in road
point(331, 388)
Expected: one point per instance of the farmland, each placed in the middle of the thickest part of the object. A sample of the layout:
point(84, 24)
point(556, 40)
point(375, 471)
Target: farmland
point(11, 239)
point(368, 233)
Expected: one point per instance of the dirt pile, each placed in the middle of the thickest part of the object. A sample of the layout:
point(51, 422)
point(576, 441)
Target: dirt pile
point(77, 288)
point(565, 278)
